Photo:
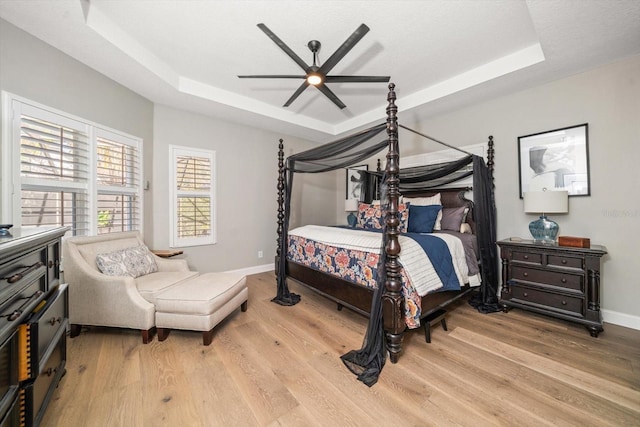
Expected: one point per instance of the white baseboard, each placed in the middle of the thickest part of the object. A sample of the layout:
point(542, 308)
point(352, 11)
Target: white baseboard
point(621, 319)
point(255, 269)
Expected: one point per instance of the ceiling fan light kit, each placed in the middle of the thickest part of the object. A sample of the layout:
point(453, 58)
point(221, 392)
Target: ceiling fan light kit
point(316, 75)
point(314, 79)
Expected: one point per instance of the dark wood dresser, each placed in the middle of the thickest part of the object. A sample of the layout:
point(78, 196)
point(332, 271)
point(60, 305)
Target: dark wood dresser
point(34, 314)
point(559, 281)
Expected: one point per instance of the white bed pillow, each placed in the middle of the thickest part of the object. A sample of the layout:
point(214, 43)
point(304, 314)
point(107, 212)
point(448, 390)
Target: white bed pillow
point(427, 201)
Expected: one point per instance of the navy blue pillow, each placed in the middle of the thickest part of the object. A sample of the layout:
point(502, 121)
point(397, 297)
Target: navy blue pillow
point(422, 218)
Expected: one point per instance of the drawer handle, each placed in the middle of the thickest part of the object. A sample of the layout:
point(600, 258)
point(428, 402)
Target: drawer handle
point(564, 261)
point(564, 302)
point(18, 312)
point(50, 371)
point(563, 280)
point(525, 294)
point(525, 274)
point(526, 257)
point(53, 320)
point(18, 276)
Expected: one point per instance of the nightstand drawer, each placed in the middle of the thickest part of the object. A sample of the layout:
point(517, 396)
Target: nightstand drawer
point(565, 261)
point(566, 304)
point(545, 277)
point(527, 257)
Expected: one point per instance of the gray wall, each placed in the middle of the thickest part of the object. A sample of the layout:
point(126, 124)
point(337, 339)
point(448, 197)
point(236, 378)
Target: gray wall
point(247, 165)
point(608, 98)
point(247, 157)
point(33, 69)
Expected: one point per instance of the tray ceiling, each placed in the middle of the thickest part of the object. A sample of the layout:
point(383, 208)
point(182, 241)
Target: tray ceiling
point(440, 54)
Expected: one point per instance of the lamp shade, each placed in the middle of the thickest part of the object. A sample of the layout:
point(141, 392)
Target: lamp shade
point(546, 202)
point(351, 205)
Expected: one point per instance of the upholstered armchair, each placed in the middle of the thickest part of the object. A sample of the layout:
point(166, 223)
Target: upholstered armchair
point(119, 298)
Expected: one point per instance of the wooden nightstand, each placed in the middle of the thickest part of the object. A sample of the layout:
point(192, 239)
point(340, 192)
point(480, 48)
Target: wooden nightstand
point(558, 281)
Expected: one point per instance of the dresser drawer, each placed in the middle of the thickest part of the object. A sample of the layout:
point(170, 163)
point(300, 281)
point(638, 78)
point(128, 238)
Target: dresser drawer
point(565, 261)
point(53, 263)
point(41, 332)
point(14, 276)
point(36, 395)
point(547, 300)
point(532, 258)
point(553, 278)
point(47, 322)
point(11, 417)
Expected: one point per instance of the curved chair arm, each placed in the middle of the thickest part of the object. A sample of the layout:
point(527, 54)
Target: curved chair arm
point(165, 264)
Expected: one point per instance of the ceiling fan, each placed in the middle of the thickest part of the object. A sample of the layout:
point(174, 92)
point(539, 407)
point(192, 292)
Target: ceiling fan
point(316, 75)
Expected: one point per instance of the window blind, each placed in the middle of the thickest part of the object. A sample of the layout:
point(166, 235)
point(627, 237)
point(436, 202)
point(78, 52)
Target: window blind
point(193, 200)
point(54, 173)
point(69, 172)
point(118, 179)
point(51, 151)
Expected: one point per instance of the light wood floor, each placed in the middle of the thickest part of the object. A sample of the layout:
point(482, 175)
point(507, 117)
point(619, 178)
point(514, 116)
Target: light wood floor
point(280, 366)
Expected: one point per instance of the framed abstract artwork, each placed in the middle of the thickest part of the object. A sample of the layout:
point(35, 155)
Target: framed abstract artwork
point(355, 181)
point(555, 160)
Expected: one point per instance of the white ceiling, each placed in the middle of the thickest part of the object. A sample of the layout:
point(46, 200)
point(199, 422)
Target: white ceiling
point(441, 54)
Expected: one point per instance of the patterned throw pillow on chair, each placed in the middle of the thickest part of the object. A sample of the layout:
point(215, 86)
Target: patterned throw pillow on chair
point(135, 262)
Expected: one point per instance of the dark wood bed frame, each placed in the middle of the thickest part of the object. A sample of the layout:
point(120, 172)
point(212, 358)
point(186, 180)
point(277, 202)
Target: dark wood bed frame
point(359, 298)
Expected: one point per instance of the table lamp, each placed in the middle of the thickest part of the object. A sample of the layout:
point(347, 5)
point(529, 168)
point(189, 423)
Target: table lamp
point(544, 202)
point(351, 206)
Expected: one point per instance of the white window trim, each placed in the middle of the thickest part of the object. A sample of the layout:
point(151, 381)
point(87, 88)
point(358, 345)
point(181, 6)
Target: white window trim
point(174, 240)
point(11, 182)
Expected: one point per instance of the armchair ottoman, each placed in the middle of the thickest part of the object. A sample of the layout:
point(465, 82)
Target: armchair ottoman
point(200, 303)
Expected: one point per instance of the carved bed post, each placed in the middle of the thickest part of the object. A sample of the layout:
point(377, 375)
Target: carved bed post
point(280, 202)
point(392, 300)
point(490, 162)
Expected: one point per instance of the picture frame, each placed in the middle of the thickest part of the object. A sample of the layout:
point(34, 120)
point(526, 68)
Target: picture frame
point(555, 160)
point(355, 180)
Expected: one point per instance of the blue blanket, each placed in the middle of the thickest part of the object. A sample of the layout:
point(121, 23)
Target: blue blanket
point(439, 255)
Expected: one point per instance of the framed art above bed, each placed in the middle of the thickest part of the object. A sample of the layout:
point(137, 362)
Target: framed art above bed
point(355, 180)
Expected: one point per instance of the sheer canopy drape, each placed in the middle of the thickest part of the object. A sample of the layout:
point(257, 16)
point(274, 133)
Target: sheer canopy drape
point(352, 150)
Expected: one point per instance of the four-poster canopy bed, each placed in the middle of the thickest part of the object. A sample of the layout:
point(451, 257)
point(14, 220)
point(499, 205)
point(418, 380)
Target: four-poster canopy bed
point(391, 300)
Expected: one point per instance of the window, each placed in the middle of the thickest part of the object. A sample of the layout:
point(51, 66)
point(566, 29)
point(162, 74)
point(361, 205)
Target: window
point(193, 197)
point(64, 171)
point(118, 181)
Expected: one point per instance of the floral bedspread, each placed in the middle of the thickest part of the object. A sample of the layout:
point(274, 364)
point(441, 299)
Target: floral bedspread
point(352, 265)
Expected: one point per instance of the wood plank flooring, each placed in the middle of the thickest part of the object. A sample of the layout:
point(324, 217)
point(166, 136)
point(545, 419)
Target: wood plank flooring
point(280, 366)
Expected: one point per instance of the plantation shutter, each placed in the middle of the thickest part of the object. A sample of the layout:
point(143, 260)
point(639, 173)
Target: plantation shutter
point(54, 156)
point(61, 170)
point(118, 184)
point(193, 204)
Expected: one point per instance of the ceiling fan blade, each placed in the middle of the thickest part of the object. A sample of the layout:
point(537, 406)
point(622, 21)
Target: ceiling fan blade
point(284, 47)
point(354, 38)
point(332, 96)
point(357, 79)
point(276, 76)
point(296, 94)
